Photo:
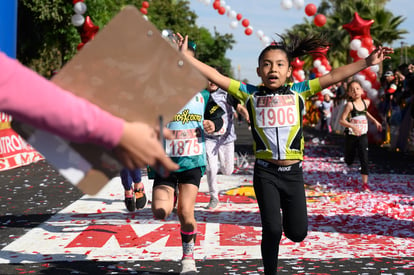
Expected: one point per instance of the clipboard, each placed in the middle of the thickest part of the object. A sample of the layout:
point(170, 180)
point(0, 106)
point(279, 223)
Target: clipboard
point(129, 70)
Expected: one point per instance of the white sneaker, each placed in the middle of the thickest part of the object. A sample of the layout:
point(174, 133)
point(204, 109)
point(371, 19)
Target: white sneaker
point(213, 203)
point(188, 266)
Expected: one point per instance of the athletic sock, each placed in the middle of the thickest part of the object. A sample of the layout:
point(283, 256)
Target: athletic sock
point(188, 241)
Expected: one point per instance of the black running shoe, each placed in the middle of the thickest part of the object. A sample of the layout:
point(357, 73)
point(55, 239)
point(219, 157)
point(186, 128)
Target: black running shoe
point(129, 203)
point(140, 197)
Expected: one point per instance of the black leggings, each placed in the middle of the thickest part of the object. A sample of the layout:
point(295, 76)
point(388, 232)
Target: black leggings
point(354, 144)
point(276, 188)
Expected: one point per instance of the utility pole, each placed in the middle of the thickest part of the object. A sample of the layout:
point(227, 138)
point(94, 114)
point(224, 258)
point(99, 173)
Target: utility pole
point(406, 60)
point(401, 54)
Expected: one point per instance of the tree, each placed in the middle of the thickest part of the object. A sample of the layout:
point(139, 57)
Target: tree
point(45, 35)
point(47, 39)
point(384, 30)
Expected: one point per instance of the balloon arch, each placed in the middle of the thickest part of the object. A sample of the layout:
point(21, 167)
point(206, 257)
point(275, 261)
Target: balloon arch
point(359, 29)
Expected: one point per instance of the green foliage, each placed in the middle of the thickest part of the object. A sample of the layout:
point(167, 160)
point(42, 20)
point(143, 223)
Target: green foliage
point(400, 56)
point(45, 34)
point(47, 39)
point(384, 30)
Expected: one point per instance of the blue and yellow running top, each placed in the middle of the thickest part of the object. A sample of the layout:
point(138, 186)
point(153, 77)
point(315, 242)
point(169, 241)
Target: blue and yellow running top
point(276, 117)
point(187, 149)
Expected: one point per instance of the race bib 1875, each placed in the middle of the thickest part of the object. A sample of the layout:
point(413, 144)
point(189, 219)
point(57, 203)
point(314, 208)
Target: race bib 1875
point(185, 143)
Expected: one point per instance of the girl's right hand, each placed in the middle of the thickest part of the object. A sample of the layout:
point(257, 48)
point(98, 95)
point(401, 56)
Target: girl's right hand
point(356, 131)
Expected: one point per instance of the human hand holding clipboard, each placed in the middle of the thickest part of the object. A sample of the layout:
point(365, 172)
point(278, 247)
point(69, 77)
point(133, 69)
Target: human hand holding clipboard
point(131, 71)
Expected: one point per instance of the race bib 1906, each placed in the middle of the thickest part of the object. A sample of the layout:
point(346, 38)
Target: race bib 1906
point(276, 111)
point(185, 143)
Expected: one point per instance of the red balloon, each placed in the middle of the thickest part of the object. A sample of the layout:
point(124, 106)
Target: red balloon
point(144, 10)
point(76, 1)
point(89, 30)
point(248, 31)
point(367, 42)
point(358, 26)
point(80, 46)
point(222, 10)
point(296, 75)
point(216, 5)
point(371, 76)
point(297, 63)
point(310, 9)
point(145, 4)
point(239, 16)
point(354, 55)
point(245, 22)
point(376, 85)
point(319, 20)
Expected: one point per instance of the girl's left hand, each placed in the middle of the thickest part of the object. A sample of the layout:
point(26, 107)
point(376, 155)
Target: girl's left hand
point(379, 126)
point(378, 55)
point(209, 126)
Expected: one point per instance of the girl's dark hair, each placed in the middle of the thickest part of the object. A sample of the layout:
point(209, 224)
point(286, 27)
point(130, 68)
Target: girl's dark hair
point(352, 81)
point(297, 46)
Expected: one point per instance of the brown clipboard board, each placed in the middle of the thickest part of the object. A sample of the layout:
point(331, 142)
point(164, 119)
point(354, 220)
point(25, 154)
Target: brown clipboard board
point(130, 70)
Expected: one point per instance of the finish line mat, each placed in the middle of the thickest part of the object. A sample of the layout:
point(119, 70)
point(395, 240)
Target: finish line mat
point(349, 230)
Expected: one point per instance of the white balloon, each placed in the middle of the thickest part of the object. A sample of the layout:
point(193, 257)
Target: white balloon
point(259, 33)
point(355, 44)
point(359, 77)
point(206, 2)
point(232, 14)
point(79, 8)
point(286, 4)
point(375, 68)
point(166, 33)
point(317, 63)
point(222, 3)
point(234, 24)
point(77, 20)
point(302, 74)
point(367, 85)
point(322, 69)
point(373, 93)
point(363, 52)
point(266, 41)
point(298, 4)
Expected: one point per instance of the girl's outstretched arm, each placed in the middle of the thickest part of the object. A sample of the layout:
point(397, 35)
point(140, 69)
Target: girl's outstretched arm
point(343, 72)
point(377, 124)
point(212, 74)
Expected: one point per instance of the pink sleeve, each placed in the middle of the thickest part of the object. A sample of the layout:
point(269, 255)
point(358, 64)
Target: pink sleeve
point(30, 98)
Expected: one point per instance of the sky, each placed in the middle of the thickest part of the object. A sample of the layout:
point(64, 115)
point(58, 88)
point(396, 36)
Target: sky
point(268, 17)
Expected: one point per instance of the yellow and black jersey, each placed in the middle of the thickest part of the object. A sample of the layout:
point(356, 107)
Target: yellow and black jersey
point(276, 117)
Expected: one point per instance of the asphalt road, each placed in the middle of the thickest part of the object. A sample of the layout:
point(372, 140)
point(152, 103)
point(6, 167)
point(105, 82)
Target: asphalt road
point(34, 194)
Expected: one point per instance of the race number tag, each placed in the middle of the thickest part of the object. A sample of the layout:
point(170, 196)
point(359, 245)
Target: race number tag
point(276, 111)
point(361, 123)
point(184, 144)
point(223, 129)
